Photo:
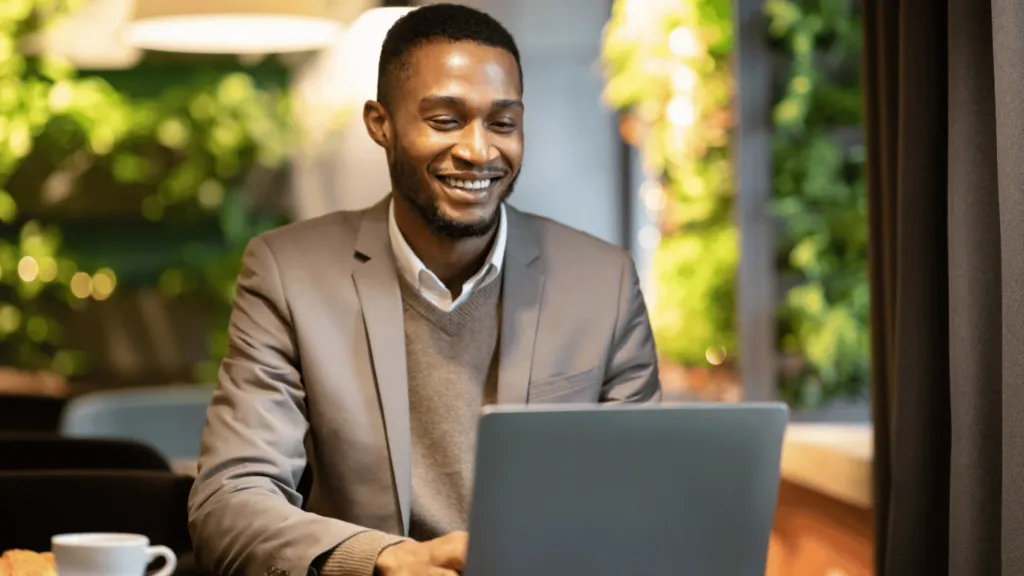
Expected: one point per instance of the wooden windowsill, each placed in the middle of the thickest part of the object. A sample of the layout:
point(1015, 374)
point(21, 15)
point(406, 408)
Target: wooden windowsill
point(833, 459)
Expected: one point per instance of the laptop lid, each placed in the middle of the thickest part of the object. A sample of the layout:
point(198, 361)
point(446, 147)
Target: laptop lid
point(619, 490)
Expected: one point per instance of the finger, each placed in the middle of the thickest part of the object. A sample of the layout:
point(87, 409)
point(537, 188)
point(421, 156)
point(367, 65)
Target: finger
point(449, 551)
point(442, 572)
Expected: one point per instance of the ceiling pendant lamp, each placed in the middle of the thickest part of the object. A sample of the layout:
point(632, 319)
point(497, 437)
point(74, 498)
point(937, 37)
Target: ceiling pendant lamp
point(231, 26)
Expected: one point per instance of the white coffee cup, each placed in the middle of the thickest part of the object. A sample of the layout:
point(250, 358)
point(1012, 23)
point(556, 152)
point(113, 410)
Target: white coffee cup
point(108, 554)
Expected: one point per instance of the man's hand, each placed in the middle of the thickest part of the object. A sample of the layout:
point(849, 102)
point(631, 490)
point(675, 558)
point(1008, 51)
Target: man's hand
point(443, 556)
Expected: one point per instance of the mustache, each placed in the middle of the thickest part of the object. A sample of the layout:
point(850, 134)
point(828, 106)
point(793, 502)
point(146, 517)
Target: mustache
point(480, 172)
point(481, 175)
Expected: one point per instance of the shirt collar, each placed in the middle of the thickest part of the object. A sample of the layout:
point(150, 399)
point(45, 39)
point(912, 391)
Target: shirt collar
point(414, 271)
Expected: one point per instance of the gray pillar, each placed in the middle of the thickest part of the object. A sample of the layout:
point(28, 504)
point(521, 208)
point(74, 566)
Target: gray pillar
point(343, 169)
point(756, 290)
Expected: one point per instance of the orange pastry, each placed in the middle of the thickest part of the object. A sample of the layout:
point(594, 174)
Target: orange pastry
point(27, 563)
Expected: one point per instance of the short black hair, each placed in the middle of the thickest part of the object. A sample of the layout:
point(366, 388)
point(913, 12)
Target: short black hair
point(433, 22)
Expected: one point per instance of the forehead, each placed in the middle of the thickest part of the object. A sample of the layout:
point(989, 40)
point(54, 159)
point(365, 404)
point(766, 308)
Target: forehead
point(469, 68)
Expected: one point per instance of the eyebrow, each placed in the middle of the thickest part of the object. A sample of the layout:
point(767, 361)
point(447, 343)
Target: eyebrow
point(456, 101)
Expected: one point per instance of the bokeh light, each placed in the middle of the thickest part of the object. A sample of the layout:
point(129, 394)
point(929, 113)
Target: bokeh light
point(103, 283)
point(28, 269)
point(682, 112)
point(715, 355)
point(649, 237)
point(81, 285)
point(10, 319)
point(683, 43)
point(48, 269)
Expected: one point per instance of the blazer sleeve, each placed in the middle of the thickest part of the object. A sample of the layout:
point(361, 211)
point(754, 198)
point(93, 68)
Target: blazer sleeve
point(632, 371)
point(244, 509)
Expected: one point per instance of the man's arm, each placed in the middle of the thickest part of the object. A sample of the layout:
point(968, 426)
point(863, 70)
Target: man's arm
point(244, 512)
point(632, 371)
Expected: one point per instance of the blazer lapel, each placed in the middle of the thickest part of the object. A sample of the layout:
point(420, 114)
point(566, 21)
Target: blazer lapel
point(376, 282)
point(521, 296)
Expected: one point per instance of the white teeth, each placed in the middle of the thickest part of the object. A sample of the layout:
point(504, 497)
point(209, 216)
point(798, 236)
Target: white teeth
point(468, 184)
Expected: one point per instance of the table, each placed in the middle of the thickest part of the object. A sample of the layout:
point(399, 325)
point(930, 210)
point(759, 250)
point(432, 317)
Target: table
point(824, 523)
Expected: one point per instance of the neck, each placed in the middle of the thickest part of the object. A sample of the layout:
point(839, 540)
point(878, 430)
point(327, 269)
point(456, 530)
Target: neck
point(453, 261)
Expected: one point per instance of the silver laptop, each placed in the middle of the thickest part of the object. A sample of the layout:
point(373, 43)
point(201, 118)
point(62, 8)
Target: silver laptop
point(625, 490)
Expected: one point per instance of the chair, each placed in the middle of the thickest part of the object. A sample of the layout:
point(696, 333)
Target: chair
point(37, 505)
point(51, 452)
point(30, 413)
point(168, 418)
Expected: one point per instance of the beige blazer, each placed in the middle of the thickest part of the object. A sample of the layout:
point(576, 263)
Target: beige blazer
point(316, 376)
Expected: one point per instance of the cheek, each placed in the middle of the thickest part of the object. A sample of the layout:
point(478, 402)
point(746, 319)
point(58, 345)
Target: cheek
point(426, 148)
point(513, 152)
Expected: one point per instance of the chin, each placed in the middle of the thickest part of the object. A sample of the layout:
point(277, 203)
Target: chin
point(452, 215)
point(469, 215)
point(459, 224)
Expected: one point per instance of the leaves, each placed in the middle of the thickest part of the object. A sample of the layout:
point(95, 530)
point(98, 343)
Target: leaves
point(682, 97)
point(819, 199)
point(696, 278)
point(192, 143)
point(668, 65)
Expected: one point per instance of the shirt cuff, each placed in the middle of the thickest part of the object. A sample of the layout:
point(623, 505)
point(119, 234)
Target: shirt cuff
point(357, 556)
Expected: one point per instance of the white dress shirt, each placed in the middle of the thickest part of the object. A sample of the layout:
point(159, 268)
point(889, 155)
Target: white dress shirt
point(427, 283)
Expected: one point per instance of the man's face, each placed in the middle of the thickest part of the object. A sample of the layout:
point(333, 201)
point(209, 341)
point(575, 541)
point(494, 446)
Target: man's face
point(457, 135)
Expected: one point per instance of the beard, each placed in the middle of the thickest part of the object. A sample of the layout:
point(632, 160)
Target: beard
point(407, 183)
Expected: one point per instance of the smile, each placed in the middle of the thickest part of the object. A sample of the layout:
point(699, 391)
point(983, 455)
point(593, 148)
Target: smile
point(470, 185)
point(469, 191)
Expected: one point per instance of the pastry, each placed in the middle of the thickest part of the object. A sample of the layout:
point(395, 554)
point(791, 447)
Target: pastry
point(27, 563)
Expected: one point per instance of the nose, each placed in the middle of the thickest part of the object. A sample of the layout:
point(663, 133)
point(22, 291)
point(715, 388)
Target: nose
point(474, 145)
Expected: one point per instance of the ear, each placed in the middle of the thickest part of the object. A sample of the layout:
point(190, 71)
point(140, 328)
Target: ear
point(378, 124)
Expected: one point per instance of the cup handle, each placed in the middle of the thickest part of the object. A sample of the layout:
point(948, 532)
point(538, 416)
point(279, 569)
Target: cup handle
point(169, 557)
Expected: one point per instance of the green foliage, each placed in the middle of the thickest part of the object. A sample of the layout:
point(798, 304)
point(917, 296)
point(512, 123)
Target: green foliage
point(819, 191)
point(190, 146)
point(818, 180)
point(668, 69)
point(694, 299)
point(29, 334)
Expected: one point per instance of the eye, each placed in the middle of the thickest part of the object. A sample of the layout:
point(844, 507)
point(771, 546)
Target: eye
point(503, 125)
point(444, 123)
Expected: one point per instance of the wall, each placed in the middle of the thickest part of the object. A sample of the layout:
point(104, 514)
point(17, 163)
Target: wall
point(643, 229)
point(571, 166)
point(342, 169)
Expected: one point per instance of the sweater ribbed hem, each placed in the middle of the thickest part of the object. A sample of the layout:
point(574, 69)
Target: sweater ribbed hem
point(357, 556)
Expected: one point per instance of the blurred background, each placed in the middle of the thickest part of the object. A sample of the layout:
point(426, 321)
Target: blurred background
point(719, 141)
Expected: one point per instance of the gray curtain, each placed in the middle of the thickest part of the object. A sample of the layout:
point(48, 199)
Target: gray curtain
point(945, 102)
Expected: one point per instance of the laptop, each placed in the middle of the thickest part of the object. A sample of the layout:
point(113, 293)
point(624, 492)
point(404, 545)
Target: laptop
point(625, 490)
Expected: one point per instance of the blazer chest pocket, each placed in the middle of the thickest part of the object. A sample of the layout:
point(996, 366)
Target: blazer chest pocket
point(581, 387)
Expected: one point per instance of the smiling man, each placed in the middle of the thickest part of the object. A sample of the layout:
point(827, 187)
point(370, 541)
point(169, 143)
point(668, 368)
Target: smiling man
point(341, 438)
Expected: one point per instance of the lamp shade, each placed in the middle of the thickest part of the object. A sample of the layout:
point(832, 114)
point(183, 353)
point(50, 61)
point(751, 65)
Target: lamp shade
point(231, 26)
point(363, 44)
point(88, 36)
point(332, 87)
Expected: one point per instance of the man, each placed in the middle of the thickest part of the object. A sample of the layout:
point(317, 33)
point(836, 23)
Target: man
point(363, 344)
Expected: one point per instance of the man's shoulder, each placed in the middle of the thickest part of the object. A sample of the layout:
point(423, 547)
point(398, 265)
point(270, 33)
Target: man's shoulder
point(335, 231)
point(583, 274)
point(561, 243)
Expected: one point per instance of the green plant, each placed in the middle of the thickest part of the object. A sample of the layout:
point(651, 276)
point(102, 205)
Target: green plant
point(33, 275)
point(819, 195)
point(208, 136)
point(189, 146)
point(677, 86)
point(668, 72)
